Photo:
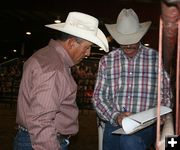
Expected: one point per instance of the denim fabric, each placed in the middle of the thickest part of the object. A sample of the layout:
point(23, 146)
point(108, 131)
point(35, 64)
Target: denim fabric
point(140, 140)
point(64, 143)
point(22, 142)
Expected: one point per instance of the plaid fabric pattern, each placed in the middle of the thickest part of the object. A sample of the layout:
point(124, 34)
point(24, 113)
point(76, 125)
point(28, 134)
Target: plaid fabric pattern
point(129, 82)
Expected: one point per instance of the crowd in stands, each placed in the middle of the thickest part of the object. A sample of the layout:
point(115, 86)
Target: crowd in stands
point(10, 76)
point(84, 75)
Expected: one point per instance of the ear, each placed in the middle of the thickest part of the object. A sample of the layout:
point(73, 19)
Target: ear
point(70, 43)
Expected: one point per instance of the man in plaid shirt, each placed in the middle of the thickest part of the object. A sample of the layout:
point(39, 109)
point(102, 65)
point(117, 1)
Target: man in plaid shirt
point(127, 83)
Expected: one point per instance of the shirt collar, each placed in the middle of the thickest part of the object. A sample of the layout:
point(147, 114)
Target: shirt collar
point(62, 52)
point(137, 55)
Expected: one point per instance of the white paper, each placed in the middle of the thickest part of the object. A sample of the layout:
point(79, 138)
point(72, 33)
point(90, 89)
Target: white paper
point(150, 114)
point(129, 125)
point(140, 120)
point(142, 126)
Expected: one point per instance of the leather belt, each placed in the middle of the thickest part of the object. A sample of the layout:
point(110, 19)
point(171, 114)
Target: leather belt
point(60, 136)
point(22, 128)
point(63, 139)
point(63, 136)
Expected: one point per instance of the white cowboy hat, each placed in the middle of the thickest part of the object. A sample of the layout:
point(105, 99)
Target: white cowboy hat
point(128, 30)
point(83, 26)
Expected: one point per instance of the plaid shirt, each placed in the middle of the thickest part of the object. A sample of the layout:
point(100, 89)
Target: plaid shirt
point(130, 83)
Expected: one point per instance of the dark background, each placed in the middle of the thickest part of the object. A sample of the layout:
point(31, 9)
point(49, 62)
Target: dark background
point(19, 16)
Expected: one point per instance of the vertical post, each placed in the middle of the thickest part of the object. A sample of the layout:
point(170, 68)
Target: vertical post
point(177, 81)
point(159, 85)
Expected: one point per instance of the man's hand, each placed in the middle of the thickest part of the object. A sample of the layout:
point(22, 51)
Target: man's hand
point(121, 116)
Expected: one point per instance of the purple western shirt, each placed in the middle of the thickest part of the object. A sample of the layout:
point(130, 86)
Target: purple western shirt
point(46, 102)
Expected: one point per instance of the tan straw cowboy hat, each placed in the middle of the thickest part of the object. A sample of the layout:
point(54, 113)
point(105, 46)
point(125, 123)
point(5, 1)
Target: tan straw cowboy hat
point(128, 30)
point(83, 26)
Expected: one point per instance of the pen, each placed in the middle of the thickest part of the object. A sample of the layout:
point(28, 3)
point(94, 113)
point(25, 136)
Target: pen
point(124, 108)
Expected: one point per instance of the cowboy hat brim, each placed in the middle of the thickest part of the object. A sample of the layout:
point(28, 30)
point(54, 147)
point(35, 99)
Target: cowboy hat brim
point(98, 39)
point(126, 39)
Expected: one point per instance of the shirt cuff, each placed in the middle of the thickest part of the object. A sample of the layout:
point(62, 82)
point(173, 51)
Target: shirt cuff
point(113, 119)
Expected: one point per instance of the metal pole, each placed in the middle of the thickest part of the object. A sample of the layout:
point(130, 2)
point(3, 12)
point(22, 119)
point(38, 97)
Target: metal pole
point(177, 81)
point(159, 86)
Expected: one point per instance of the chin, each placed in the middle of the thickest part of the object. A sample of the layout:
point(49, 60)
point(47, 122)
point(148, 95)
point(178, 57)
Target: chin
point(77, 62)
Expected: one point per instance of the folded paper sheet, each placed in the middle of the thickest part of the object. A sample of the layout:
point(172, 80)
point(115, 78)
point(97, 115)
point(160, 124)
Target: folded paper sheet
point(138, 121)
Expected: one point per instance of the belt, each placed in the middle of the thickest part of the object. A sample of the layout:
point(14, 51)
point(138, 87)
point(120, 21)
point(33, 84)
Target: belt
point(63, 139)
point(60, 136)
point(22, 128)
point(63, 136)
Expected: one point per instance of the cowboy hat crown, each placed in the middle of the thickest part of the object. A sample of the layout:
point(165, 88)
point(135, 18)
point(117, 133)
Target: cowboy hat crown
point(128, 29)
point(83, 26)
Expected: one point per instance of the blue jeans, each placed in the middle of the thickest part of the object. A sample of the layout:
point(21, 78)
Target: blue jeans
point(140, 140)
point(22, 142)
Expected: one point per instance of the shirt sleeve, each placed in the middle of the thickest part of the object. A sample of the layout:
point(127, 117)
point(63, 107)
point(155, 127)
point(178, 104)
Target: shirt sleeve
point(43, 108)
point(102, 99)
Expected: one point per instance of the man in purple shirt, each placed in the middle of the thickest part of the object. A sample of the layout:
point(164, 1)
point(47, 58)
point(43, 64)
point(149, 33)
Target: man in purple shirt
point(47, 114)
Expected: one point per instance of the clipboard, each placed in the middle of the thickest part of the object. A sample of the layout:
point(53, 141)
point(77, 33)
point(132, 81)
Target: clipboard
point(141, 120)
